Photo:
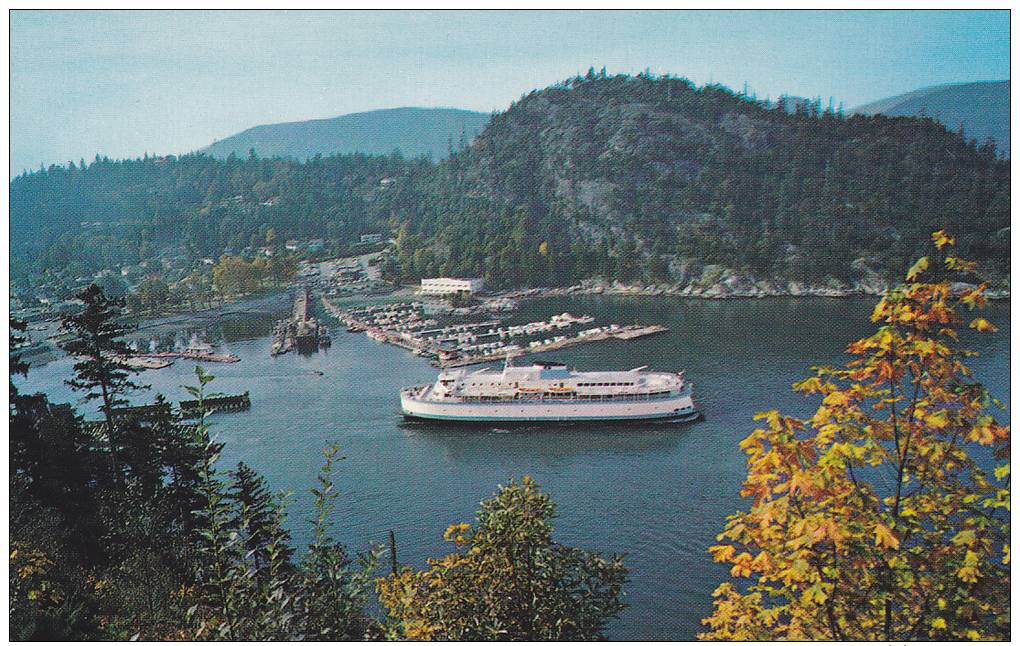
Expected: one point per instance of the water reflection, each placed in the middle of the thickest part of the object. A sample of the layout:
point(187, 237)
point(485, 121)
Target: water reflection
point(471, 444)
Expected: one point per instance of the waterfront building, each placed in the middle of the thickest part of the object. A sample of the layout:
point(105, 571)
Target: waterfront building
point(451, 286)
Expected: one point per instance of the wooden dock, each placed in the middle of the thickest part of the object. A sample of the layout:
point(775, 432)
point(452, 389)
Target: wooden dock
point(194, 355)
point(228, 404)
point(163, 411)
point(623, 333)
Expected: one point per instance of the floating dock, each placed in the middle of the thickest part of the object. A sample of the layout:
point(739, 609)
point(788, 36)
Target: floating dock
point(228, 404)
point(557, 343)
point(194, 355)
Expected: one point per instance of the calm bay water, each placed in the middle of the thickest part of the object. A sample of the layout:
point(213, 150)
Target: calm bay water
point(658, 494)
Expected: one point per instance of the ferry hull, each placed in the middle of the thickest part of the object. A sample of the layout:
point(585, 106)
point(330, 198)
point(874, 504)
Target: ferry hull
point(677, 409)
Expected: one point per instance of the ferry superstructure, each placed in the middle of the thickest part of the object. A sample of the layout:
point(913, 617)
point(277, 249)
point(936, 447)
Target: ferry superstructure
point(550, 392)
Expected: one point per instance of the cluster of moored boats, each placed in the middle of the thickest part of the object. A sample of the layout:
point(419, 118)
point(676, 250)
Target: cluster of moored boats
point(406, 325)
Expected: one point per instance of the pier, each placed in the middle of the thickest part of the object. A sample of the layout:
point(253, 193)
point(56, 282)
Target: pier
point(302, 331)
point(556, 343)
point(162, 411)
point(192, 354)
point(227, 404)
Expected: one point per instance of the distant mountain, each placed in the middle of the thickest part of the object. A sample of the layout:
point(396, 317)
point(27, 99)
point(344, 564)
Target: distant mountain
point(412, 131)
point(982, 108)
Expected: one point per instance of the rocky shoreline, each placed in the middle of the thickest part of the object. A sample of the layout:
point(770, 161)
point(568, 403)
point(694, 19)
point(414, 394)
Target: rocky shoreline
point(731, 287)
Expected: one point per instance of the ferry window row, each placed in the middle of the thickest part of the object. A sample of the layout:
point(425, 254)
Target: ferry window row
point(611, 383)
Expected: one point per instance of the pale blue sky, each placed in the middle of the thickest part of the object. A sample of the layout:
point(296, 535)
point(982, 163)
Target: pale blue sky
point(125, 83)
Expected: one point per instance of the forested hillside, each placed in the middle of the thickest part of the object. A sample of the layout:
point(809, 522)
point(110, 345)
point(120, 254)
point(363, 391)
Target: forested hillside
point(639, 179)
point(669, 169)
point(111, 213)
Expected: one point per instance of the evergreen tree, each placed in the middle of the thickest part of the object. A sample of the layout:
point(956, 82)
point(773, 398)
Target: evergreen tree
point(257, 517)
point(333, 587)
point(97, 346)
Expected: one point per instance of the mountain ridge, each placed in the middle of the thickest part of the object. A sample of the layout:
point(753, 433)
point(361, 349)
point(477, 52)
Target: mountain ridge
point(414, 131)
point(982, 107)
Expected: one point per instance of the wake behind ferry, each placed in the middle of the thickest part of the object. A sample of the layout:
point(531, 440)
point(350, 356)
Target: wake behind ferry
point(550, 392)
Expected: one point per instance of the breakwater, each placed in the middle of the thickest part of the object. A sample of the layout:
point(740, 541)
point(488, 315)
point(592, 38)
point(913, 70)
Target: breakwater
point(302, 331)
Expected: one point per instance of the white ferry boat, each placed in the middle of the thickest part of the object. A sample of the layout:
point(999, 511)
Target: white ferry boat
point(551, 392)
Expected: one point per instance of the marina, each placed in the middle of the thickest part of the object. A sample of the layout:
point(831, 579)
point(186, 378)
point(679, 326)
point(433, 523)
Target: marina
point(559, 342)
point(410, 326)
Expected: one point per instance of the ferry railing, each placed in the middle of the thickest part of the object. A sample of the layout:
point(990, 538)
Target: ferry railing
point(556, 397)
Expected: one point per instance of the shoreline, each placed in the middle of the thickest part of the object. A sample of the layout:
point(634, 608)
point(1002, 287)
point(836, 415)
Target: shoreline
point(717, 291)
point(279, 300)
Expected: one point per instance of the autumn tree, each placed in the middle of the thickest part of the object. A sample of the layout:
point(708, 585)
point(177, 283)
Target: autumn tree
point(884, 516)
point(233, 274)
point(508, 580)
point(153, 294)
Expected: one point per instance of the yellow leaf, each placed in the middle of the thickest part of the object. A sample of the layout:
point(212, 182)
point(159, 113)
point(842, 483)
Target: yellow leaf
point(968, 574)
point(941, 238)
point(721, 553)
point(938, 420)
point(920, 266)
point(959, 264)
point(982, 432)
point(938, 623)
point(981, 325)
point(884, 537)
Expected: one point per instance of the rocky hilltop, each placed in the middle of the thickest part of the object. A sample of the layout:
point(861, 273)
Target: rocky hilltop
point(643, 178)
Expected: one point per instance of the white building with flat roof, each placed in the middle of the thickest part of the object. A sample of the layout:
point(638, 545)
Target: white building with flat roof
point(448, 286)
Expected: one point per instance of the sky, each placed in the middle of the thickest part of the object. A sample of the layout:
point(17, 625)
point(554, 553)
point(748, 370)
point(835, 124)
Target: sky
point(121, 84)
